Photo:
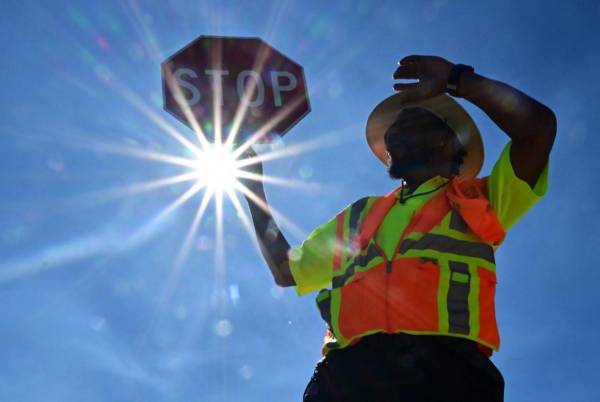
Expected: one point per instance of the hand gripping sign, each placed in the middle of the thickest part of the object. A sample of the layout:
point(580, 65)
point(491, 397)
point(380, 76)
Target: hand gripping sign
point(221, 80)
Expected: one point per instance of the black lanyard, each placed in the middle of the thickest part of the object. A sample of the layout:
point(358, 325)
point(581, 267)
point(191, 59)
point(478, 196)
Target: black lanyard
point(403, 199)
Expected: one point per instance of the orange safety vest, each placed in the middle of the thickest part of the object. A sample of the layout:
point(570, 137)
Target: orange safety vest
point(440, 280)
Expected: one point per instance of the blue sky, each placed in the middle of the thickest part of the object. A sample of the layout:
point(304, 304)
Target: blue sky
point(81, 274)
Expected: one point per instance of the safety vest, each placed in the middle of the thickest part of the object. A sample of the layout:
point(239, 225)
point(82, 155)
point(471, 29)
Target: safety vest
point(440, 280)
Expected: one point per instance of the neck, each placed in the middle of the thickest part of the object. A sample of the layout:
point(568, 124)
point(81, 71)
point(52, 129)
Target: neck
point(414, 181)
point(416, 178)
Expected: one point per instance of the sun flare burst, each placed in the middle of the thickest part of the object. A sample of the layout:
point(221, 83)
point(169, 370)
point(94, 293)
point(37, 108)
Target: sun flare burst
point(219, 169)
point(216, 168)
point(211, 170)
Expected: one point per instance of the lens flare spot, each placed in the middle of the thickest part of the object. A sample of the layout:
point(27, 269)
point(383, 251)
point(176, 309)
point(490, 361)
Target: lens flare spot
point(234, 294)
point(204, 243)
point(223, 328)
point(103, 73)
point(102, 42)
point(306, 172)
point(294, 253)
point(277, 292)
point(246, 372)
point(57, 165)
point(97, 324)
point(181, 312)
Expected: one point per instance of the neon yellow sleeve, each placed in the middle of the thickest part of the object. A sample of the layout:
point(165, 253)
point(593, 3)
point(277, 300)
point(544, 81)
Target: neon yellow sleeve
point(311, 263)
point(509, 195)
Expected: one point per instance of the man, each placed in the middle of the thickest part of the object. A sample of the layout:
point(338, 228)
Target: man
point(406, 281)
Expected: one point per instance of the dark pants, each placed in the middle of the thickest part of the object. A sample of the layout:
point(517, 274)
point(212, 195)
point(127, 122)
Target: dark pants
point(406, 368)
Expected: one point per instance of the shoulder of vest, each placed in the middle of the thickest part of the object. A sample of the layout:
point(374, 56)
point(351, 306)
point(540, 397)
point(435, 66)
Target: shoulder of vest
point(357, 205)
point(361, 202)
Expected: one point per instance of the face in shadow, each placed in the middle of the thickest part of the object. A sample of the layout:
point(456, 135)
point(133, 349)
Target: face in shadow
point(420, 145)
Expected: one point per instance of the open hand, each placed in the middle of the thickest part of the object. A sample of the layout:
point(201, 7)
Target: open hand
point(431, 71)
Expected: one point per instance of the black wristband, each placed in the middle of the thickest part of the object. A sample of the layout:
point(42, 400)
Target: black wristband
point(454, 77)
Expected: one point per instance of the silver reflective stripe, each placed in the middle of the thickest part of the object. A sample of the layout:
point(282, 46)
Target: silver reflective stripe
point(324, 305)
point(353, 226)
point(355, 211)
point(446, 244)
point(361, 260)
point(458, 298)
point(457, 222)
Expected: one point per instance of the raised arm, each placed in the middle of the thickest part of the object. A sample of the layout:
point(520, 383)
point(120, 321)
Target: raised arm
point(273, 245)
point(530, 124)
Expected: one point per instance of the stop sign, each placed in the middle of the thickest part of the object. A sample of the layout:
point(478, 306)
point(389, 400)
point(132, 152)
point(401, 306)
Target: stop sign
point(238, 76)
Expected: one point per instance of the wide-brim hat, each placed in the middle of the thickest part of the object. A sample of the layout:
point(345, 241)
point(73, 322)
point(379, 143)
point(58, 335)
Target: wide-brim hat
point(447, 109)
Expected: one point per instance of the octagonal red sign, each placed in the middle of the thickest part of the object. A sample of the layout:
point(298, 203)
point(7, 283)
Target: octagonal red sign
point(243, 77)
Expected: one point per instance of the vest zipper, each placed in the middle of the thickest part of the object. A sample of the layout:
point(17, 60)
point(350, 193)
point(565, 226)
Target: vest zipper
point(388, 265)
point(388, 270)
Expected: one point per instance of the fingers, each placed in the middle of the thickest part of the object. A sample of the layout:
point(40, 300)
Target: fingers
point(413, 58)
point(406, 71)
point(400, 86)
point(419, 68)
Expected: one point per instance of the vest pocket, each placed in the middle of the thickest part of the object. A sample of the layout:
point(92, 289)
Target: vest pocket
point(413, 295)
point(488, 328)
point(363, 304)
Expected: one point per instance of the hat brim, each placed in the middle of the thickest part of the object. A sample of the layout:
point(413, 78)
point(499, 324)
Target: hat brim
point(445, 107)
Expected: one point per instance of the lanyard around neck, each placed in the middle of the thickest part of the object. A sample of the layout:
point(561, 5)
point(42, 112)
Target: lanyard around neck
point(403, 199)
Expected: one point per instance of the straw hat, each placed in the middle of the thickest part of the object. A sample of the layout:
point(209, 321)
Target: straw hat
point(446, 108)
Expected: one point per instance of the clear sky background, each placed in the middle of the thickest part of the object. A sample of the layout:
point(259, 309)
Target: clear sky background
point(82, 272)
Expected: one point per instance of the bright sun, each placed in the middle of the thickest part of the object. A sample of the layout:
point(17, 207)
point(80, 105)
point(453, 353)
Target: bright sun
point(216, 168)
